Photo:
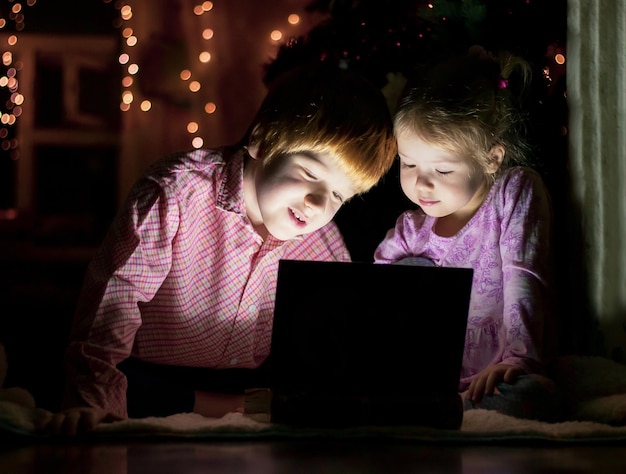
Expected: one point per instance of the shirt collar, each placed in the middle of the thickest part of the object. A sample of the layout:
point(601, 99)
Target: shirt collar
point(230, 195)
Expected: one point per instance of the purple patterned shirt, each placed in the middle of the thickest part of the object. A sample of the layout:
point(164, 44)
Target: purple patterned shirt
point(507, 243)
point(182, 278)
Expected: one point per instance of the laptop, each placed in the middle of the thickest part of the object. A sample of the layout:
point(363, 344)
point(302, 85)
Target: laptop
point(358, 344)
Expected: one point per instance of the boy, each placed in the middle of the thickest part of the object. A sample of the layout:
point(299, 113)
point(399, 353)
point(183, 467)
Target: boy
point(176, 311)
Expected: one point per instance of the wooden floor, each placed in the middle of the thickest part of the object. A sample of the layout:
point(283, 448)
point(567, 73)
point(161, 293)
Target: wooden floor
point(306, 456)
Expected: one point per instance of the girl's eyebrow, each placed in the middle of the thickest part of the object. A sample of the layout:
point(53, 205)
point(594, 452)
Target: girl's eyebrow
point(438, 161)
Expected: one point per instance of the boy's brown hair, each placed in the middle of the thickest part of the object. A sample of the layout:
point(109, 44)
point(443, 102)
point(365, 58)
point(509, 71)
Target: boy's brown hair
point(324, 109)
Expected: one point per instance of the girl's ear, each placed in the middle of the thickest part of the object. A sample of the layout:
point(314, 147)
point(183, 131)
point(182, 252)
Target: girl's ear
point(496, 157)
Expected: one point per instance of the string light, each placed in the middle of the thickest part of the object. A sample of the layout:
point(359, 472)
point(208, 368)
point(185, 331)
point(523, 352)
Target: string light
point(11, 109)
point(193, 76)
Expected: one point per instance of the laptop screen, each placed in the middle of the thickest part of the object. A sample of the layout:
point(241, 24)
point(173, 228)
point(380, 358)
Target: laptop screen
point(355, 333)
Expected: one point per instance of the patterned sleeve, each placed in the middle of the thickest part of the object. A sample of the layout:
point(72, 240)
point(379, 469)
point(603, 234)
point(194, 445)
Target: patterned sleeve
point(525, 249)
point(128, 269)
point(396, 245)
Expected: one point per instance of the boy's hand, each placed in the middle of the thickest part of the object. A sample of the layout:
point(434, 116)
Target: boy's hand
point(484, 383)
point(75, 421)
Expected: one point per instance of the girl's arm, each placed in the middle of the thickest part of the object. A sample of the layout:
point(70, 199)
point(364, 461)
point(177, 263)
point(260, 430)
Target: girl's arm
point(525, 249)
point(404, 240)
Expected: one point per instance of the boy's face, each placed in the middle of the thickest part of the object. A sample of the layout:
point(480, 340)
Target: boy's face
point(440, 182)
point(298, 194)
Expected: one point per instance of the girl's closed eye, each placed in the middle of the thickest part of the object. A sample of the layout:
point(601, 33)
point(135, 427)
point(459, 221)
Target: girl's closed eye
point(338, 197)
point(443, 173)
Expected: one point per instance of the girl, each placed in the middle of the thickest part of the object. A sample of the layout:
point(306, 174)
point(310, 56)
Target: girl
point(460, 146)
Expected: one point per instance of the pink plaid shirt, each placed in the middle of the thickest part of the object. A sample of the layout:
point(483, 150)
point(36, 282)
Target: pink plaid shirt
point(182, 278)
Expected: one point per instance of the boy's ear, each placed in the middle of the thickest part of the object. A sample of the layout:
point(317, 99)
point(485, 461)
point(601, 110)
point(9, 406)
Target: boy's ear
point(253, 149)
point(253, 145)
point(496, 157)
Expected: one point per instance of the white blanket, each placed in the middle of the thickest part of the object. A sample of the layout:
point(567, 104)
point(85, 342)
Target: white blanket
point(595, 390)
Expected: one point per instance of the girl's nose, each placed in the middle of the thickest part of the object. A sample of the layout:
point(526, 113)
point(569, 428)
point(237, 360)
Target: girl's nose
point(422, 180)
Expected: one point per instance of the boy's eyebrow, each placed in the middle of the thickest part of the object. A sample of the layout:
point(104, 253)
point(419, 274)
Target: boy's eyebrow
point(309, 155)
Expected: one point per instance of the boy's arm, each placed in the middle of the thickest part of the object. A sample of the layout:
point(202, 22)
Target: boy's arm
point(75, 421)
point(128, 269)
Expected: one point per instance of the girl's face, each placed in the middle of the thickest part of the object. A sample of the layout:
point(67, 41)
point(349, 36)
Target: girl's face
point(441, 183)
point(296, 194)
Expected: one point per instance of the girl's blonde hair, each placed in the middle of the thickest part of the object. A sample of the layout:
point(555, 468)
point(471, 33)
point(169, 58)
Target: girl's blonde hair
point(324, 109)
point(467, 106)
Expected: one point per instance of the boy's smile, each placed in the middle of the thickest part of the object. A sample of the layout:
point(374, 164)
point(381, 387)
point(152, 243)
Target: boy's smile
point(295, 194)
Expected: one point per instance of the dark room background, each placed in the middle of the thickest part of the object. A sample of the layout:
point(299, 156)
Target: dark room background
point(92, 91)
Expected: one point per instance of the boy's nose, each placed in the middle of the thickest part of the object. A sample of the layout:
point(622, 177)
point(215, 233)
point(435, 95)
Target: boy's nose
point(315, 201)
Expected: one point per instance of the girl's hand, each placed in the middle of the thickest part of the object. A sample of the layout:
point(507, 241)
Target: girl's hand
point(484, 383)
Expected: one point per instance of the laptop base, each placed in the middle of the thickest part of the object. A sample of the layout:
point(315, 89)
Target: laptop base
point(322, 411)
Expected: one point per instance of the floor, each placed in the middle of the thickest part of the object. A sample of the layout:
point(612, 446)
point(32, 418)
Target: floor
point(308, 456)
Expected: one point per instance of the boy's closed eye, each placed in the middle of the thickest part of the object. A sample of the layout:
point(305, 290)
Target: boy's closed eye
point(308, 174)
point(311, 176)
point(338, 197)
